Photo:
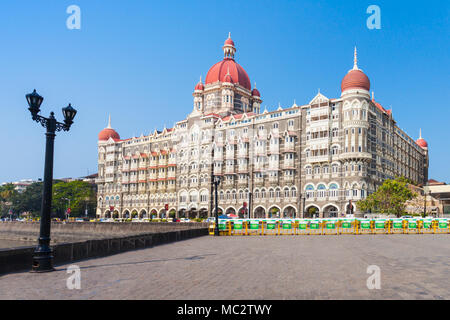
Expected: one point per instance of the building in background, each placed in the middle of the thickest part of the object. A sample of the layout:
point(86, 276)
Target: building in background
point(21, 185)
point(313, 159)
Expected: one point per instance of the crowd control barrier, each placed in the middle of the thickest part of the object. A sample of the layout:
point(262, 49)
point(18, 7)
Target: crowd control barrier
point(331, 226)
point(302, 226)
point(315, 226)
point(427, 225)
point(442, 225)
point(286, 227)
point(397, 226)
point(270, 227)
point(364, 226)
point(381, 226)
point(347, 226)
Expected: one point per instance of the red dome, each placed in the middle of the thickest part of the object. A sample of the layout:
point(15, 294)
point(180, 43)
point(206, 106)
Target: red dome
point(355, 79)
point(229, 42)
point(220, 69)
point(422, 143)
point(107, 133)
point(199, 86)
point(256, 93)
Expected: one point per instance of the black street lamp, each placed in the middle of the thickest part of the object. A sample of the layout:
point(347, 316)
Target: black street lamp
point(43, 258)
point(216, 181)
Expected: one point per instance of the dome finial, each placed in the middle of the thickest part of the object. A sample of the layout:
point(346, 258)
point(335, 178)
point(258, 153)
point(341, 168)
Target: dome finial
point(355, 60)
point(255, 84)
point(109, 122)
point(420, 133)
point(229, 34)
point(200, 79)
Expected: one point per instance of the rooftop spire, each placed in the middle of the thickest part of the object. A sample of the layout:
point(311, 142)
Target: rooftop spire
point(109, 122)
point(373, 96)
point(420, 133)
point(355, 60)
point(229, 35)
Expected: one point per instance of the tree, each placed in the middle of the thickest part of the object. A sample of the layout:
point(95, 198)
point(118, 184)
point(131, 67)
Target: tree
point(30, 200)
point(7, 194)
point(390, 198)
point(81, 194)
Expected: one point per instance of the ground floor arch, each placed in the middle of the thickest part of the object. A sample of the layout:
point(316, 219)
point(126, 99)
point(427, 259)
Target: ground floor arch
point(143, 214)
point(289, 212)
point(182, 213)
point(126, 214)
point(311, 211)
point(243, 212)
point(330, 211)
point(274, 212)
point(153, 213)
point(230, 210)
point(259, 212)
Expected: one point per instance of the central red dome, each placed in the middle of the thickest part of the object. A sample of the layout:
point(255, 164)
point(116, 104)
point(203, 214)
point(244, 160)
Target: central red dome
point(355, 79)
point(220, 70)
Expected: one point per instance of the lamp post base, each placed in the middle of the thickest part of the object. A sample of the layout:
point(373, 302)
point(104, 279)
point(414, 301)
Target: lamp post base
point(42, 260)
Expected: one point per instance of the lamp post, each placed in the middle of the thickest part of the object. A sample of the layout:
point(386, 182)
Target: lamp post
point(43, 258)
point(216, 181)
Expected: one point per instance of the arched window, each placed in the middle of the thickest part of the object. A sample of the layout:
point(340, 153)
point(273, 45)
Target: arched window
point(309, 191)
point(321, 190)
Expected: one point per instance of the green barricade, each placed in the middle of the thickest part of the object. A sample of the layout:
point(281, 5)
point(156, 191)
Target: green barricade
point(270, 227)
point(253, 227)
point(302, 226)
point(365, 226)
point(286, 227)
point(330, 226)
point(238, 227)
point(315, 226)
point(427, 225)
point(442, 225)
point(224, 227)
point(412, 225)
point(347, 226)
point(381, 226)
point(397, 226)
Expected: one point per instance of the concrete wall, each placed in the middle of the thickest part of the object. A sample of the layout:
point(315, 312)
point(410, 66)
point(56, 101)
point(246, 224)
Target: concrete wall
point(76, 231)
point(19, 259)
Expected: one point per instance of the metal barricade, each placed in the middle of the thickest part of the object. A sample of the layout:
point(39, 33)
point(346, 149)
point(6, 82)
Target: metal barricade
point(330, 226)
point(426, 225)
point(224, 227)
point(364, 226)
point(302, 226)
point(286, 227)
point(442, 225)
point(347, 226)
point(211, 228)
point(315, 226)
point(397, 226)
point(238, 227)
point(270, 227)
point(254, 227)
point(381, 226)
point(412, 225)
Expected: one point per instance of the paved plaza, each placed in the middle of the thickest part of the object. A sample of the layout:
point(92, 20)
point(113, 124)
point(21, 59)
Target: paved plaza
point(283, 267)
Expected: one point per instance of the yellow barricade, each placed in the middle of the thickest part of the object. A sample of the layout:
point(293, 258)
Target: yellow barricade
point(301, 226)
point(224, 227)
point(238, 227)
point(347, 226)
point(254, 227)
point(364, 226)
point(330, 226)
point(426, 225)
point(286, 227)
point(315, 226)
point(381, 226)
point(398, 226)
point(270, 227)
point(442, 225)
point(412, 225)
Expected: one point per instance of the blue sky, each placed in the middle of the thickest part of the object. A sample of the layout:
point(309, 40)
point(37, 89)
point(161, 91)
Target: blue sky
point(140, 60)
